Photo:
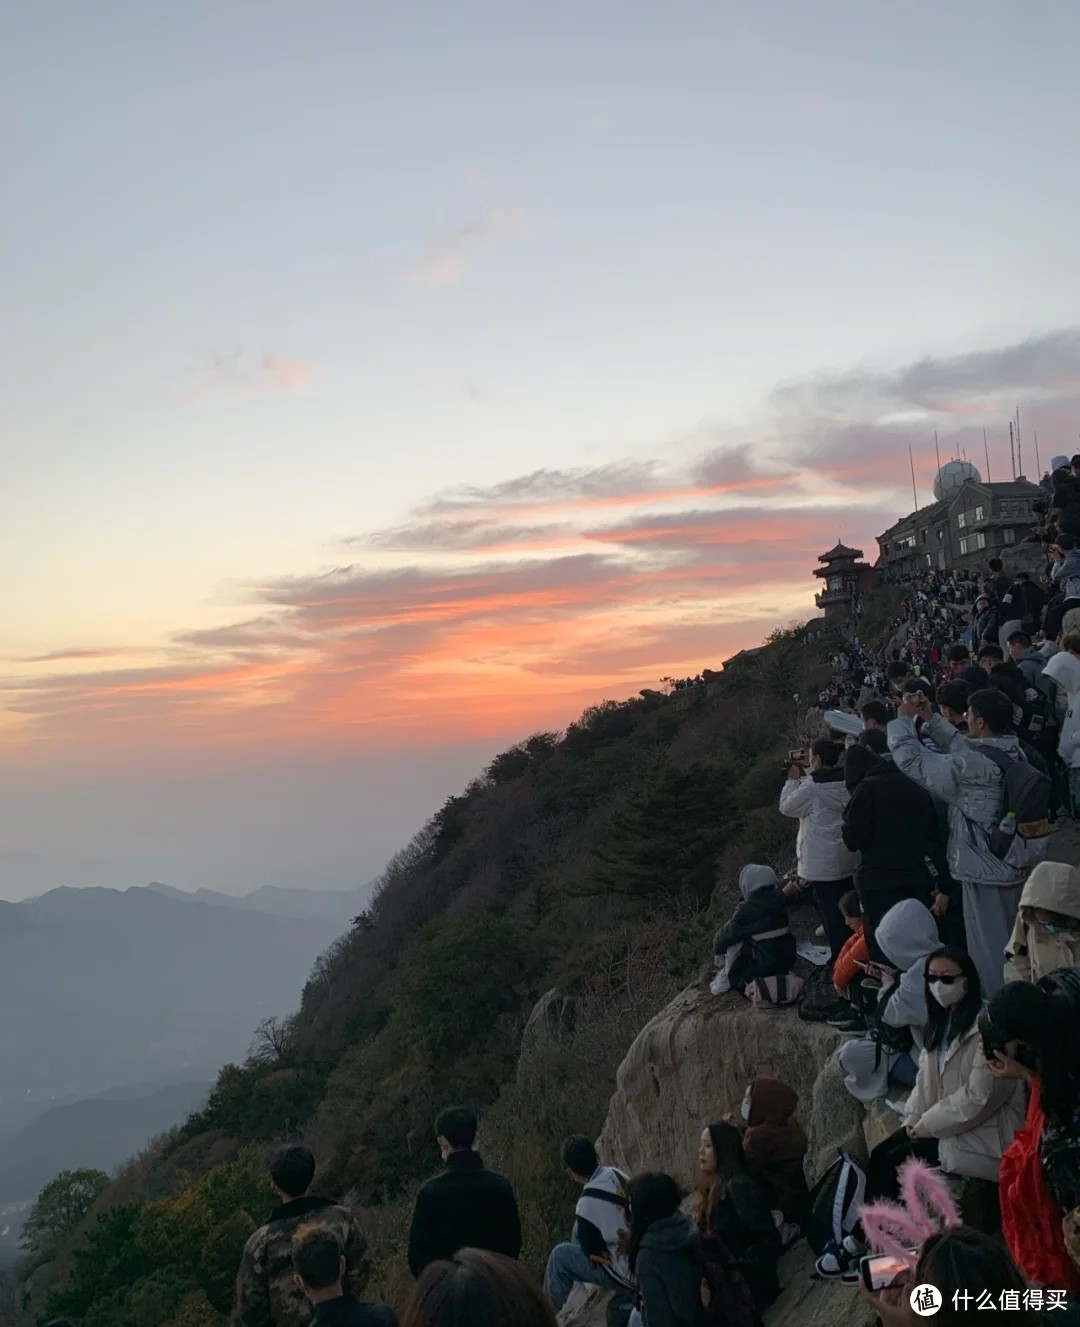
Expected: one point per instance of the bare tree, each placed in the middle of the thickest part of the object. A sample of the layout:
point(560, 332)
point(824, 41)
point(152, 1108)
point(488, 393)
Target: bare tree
point(271, 1042)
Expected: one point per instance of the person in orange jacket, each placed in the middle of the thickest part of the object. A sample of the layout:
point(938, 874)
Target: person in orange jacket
point(848, 967)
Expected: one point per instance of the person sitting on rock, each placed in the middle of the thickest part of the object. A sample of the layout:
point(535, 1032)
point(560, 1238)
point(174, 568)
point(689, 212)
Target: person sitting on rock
point(959, 1117)
point(774, 1144)
point(664, 1253)
point(594, 1256)
point(1046, 934)
point(848, 970)
point(734, 1208)
point(756, 941)
point(907, 936)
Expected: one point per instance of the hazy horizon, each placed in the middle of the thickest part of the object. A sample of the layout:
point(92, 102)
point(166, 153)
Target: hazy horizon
point(384, 385)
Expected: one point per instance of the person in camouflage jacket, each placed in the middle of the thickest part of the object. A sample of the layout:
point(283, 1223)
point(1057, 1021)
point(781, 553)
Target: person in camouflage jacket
point(267, 1294)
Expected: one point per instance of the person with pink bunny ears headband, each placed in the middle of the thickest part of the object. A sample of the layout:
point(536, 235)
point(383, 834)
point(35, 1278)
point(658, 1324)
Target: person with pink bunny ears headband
point(924, 1233)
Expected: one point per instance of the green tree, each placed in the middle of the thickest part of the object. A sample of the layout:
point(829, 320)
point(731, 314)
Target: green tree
point(668, 838)
point(60, 1207)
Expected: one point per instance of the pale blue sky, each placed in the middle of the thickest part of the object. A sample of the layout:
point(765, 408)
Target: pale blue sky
point(474, 239)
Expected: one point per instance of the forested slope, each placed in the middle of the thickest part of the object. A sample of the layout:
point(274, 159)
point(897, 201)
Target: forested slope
point(595, 860)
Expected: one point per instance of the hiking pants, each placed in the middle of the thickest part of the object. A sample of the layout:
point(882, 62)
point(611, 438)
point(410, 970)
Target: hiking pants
point(828, 894)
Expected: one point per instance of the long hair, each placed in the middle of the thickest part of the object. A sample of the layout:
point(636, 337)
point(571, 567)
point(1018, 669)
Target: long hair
point(965, 1261)
point(730, 1161)
point(478, 1289)
point(945, 1025)
point(653, 1197)
point(1044, 1023)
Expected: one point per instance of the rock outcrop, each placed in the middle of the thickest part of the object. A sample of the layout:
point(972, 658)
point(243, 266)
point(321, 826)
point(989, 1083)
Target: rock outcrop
point(689, 1067)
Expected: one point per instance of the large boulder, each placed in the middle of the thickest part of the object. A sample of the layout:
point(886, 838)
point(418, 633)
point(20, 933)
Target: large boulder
point(690, 1065)
point(687, 1068)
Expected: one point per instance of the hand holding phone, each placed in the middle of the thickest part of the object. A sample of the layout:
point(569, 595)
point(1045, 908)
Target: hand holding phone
point(883, 1271)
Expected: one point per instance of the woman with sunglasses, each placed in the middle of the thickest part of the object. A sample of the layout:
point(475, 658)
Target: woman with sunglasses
point(959, 1115)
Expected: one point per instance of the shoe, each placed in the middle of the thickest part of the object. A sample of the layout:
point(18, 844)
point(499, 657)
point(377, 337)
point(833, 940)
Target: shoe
point(819, 934)
point(853, 1250)
point(835, 1263)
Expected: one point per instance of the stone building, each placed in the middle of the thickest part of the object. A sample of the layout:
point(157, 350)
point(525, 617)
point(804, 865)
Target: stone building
point(965, 530)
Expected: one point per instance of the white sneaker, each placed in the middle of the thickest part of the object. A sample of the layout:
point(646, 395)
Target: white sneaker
point(820, 933)
point(720, 984)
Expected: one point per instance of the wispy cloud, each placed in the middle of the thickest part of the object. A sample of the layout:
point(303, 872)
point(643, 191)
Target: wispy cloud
point(449, 254)
point(495, 607)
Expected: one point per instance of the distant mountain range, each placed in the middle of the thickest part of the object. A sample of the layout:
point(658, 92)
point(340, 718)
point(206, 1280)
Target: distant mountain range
point(100, 988)
point(99, 1133)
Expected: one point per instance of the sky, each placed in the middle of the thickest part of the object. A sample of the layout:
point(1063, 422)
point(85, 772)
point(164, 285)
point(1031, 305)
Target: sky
point(382, 384)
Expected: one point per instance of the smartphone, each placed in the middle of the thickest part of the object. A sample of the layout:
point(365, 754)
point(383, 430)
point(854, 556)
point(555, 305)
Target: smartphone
point(795, 757)
point(882, 1271)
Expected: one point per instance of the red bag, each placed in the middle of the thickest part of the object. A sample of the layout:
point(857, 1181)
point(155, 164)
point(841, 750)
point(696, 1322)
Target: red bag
point(1030, 1218)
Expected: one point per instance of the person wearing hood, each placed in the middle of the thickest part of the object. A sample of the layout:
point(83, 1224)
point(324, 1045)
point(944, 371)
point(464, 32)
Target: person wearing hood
point(774, 1144)
point(1046, 935)
point(907, 936)
point(663, 1252)
point(756, 941)
point(891, 823)
point(731, 1206)
point(972, 785)
point(1063, 669)
point(817, 800)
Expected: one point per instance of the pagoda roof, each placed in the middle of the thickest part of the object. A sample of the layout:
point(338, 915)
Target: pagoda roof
point(840, 551)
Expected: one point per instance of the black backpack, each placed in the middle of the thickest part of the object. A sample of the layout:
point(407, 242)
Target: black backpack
point(1025, 801)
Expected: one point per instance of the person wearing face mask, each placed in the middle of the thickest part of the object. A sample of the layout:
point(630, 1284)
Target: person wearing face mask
point(1046, 935)
point(957, 1103)
point(775, 1146)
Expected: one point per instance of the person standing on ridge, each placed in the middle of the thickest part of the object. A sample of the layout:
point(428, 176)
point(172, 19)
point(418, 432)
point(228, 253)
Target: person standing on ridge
point(817, 800)
point(466, 1207)
point(972, 784)
point(267, 1294)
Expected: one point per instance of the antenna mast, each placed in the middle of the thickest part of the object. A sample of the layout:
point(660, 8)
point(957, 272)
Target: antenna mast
point(911, 460)
point(986, 449)
point(1019, 451)
point(1012, 448)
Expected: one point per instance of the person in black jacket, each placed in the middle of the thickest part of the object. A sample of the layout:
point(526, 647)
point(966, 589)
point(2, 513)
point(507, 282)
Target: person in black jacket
point(465, 1207)
point(892, 824)
point(756, 941)
point(319, 1266)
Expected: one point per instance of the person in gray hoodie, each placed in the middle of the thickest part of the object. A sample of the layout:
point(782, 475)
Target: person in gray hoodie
point(664, 1252)
point(907, 936)
point(971, 785)
point(756, 941)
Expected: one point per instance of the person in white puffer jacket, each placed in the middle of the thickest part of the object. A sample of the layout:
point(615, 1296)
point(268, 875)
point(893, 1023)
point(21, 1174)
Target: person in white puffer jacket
point(817, 800)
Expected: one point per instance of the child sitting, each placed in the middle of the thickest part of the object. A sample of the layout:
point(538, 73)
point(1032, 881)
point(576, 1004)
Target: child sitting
point(847, 972)
point(757, 941)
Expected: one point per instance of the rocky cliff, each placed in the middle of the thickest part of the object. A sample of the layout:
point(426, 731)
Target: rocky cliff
point(688, 1067)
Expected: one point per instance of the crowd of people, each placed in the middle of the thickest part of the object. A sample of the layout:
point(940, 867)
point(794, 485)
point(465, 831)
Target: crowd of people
point(924, 814)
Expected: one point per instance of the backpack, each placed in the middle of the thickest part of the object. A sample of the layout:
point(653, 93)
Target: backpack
point(725, 1295)
point(818, 1001)
point(889, 1040)
point(1037, 715)
point(1021, 838)
point(774, 992)
point(834, 1203)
